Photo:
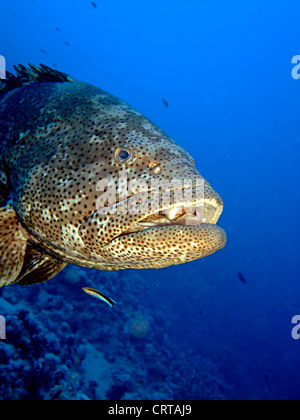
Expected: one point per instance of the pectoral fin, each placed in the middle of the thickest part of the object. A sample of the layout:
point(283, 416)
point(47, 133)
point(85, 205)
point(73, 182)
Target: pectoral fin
point(38, 266)
point(13, 240)
point(20, 261)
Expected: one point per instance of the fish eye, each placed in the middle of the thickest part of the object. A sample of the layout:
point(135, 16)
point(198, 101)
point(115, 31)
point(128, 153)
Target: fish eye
point(124, 155)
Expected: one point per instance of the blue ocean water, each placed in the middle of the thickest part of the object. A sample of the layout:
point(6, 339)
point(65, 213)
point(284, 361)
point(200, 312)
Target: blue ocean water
point(193, 331)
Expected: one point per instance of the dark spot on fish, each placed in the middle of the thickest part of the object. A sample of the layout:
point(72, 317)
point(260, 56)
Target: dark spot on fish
point(67, 43)
point(94, 4)
point(242, 278)
point(165, 102)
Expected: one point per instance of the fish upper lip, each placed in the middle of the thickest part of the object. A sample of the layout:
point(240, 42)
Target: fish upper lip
point(179, 215)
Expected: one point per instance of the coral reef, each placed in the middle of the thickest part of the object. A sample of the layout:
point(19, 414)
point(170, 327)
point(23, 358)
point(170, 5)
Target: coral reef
point(62, 344)
point(137, 325)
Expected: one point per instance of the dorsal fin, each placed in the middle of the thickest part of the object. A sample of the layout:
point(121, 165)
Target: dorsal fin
point(30, 75)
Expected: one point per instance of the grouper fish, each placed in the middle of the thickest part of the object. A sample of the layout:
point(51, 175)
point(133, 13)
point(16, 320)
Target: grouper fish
point(68, 150)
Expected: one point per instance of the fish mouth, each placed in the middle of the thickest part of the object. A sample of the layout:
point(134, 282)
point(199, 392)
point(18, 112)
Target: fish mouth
point(175, 235)
point(166, 235)
point(206, 212)
point(170, 237)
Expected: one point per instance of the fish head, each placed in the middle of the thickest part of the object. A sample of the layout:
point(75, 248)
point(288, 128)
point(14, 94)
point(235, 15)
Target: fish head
point(153, 209)
point(96, 183)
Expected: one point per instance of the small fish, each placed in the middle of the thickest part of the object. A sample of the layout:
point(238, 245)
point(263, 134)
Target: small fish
point(94, 4)
point(67, 43)
point(57, 28)
point(242, 278)
point(96, 294)
point(43, 51)
point(165, 102)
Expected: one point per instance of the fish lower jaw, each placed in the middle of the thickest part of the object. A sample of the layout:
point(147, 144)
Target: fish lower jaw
point(163, 246)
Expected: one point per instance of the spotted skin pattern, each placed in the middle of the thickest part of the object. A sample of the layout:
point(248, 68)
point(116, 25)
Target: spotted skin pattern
point(59, 138)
